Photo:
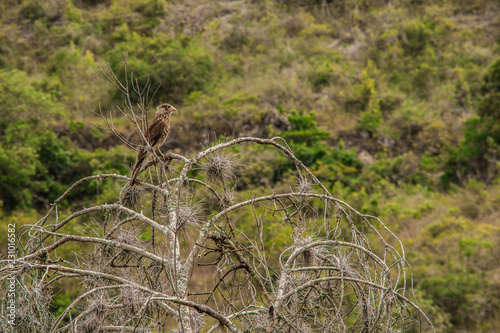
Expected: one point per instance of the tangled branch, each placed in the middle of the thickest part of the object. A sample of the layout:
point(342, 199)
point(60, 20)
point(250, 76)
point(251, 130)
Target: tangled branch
point(186, 258)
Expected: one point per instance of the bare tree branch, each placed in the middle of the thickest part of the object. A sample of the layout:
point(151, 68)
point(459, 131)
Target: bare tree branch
point(192, 255)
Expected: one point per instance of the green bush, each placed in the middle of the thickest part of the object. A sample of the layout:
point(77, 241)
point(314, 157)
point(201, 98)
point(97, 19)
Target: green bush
point(452, 293)
point(36, 166)
point(418, 36)
point(20, 99)
point(323, 74)
point(304, 129)
point(491, 80)
point(33, 10)
point(359, 99)
point(176, 67)
point(310, 146)
point(477, 153)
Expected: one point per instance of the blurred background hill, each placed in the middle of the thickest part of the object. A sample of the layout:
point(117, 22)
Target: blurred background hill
point(395, 105)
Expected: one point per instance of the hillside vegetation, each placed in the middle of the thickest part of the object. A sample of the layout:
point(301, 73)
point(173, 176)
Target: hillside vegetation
point(395, 105)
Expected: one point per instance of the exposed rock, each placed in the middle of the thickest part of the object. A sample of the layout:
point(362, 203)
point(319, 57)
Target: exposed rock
point(278, 121)
point(385, 141)
point(366, 158)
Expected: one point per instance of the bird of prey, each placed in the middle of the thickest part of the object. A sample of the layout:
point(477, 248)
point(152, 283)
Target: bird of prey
point(156, 134)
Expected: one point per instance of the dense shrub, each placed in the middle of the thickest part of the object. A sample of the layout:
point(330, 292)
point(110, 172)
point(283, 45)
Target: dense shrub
point(37, 166)
point(304, 129)
point(479, 152)
point(311, 146)
point(452, 293)
point(176, 67)
point(21, 99)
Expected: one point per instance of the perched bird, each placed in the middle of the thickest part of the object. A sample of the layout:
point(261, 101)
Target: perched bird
point(156, 134)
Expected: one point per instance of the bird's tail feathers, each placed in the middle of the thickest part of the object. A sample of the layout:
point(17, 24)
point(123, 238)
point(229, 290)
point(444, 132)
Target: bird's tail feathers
point(130, 191)
point(135, 170)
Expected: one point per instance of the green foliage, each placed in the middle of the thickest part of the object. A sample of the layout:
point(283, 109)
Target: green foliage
point(462, 91)
point(440, 318)
point(422, 79)
point(37, 167)
point(491, 80)
point(469, 157)
point(20, 98)
point(33, 10)
point(310, 146)
point(478, 153)
point(371, 120)
point(452, 293)
point(304, 129)
point(488, 108)
point(359, 99)
point(368, 100)
point(418, 36)
point(413, 79)
point(455, 270)
point(235, 41)
point(151, 11)
point(59, 63)
point(398, 170)
point(337, 165)
point(324, 74)
point(176, 67)
point(63, 299)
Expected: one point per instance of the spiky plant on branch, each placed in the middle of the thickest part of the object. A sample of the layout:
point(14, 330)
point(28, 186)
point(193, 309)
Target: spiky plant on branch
point(338, 271)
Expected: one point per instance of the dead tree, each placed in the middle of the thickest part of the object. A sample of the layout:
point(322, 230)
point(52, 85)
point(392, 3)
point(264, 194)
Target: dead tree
point(176, 258)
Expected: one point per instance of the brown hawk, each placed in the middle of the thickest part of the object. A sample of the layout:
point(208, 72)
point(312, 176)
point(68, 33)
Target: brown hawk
point(156, 134)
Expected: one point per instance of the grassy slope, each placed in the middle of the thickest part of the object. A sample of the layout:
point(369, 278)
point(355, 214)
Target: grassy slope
point(395, 82)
